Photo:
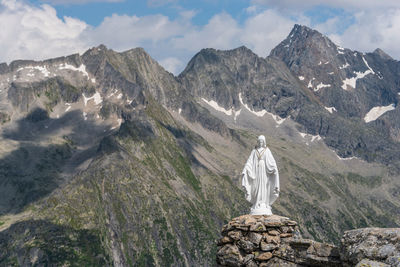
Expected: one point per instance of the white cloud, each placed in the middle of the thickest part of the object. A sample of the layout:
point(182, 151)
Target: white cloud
point(345, 4)
point(373, 29)
point(264, 31)
point(221, 32)
point(37, 32)
point(124, 32)
point(172, 64)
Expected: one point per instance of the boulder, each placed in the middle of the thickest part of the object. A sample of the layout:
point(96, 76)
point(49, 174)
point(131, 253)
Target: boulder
point(377, 246)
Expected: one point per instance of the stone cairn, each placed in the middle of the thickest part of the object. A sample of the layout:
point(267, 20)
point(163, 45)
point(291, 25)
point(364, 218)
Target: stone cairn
point(260, 240)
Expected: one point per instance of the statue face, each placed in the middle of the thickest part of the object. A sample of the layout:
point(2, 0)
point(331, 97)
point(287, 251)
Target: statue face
point(260, 143)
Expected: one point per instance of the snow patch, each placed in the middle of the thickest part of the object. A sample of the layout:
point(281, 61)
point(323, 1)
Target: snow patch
point(84, 115)
point(261, 113)
point(320, 63)
point(112, 93)
point(68, 107)
point(326, 63)
point(345, 158)
point(119, 121)
point(312, 137)
point(93, 80)
point(96, 97)
point(331, 109)
point(344, 66)
point(237, 113)
point(310, 84)
point(301, 78)
point(119, 96)
point(217, 107)
point(315, 137)
point(321, 85)
point(366, 64)
point(330, 73)
point(179, 110)
point(42, 69)
point(81, 68)
point(376, 112)
point(352, 81)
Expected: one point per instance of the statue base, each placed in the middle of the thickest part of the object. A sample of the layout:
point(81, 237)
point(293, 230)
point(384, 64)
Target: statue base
point(261, 211)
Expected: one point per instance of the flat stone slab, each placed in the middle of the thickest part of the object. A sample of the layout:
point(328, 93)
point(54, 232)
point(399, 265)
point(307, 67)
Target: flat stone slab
point(258, 222)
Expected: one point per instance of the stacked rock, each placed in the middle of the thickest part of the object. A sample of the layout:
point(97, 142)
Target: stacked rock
point(260, 240)
point(251, 240)
point(371, 247)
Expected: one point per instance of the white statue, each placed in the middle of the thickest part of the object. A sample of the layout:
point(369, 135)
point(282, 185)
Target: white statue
point(261, 179)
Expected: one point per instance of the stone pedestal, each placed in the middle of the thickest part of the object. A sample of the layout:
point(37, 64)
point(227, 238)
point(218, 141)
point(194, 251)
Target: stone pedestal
point(262, 240)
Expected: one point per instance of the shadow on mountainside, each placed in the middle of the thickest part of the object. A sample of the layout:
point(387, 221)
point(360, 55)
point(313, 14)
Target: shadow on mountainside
point(49, 152)
point(45, 243)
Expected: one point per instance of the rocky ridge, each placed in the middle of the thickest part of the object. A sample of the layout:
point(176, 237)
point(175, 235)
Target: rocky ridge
point(342, 106)
point(256, 240)
point(351, 86)
point(110, 147)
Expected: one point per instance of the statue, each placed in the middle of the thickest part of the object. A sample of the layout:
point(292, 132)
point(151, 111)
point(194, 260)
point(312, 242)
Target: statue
point(261, 179)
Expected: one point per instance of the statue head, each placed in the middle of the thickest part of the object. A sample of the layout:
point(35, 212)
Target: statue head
point(261, 141)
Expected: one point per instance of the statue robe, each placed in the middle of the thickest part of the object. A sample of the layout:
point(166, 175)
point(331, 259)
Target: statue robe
point(260, 178)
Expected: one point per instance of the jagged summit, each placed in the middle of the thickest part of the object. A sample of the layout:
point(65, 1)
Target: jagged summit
point(302, 30)
point(308, 43)
point(382, 54)
point(211, 56)
point(330, 71)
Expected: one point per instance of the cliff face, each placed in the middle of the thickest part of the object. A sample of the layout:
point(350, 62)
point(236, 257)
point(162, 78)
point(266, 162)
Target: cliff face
point(251, 241)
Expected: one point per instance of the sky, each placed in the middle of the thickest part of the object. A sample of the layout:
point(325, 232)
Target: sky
point(173, 31)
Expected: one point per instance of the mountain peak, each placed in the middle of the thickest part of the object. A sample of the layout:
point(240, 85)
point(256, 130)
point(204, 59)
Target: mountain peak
point(382, 54)
point(302, 30)
point(302, 38)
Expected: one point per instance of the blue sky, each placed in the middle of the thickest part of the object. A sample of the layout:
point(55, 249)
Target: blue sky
point(93, 13)
point(172, 31)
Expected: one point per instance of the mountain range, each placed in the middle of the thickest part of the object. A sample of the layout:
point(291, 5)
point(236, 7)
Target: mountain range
point(107, 159)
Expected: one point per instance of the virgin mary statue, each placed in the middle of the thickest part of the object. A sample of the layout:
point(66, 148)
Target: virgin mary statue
point(261, 179)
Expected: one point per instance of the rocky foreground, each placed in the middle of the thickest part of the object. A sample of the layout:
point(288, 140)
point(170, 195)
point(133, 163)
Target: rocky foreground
point(251, 240)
